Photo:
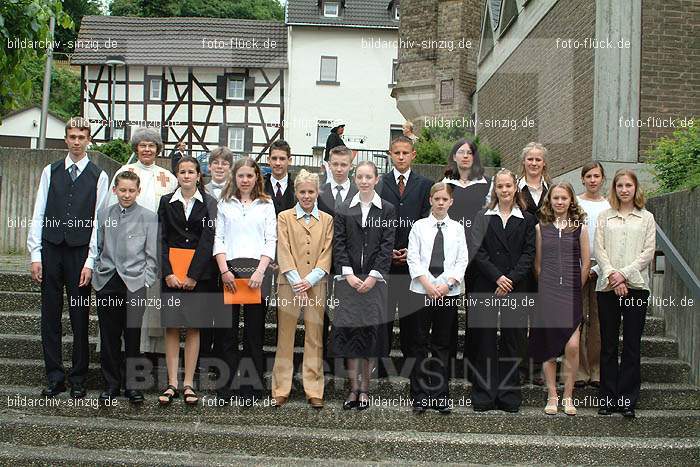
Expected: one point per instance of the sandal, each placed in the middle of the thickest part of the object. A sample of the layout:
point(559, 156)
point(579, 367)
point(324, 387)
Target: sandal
point(168, 396)
point(551, 407)
point(568, 404)
point(190, 398)
point(363, 404)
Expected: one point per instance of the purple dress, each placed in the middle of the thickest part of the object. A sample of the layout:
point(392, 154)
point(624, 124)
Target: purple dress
point(559, 307)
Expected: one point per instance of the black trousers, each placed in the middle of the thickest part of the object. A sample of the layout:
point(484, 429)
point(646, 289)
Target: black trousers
point(620, 382)
point(120, 313)
point(243, 372)
point(409, 316)
point(61, 267)
point(431, 375)
point(493, 368)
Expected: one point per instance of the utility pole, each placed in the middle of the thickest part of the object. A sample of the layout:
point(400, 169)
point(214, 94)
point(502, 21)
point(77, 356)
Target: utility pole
point(47, 86)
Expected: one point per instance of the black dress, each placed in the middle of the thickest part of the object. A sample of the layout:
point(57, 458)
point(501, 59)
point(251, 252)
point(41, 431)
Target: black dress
point(560, 309)
point(359, 321)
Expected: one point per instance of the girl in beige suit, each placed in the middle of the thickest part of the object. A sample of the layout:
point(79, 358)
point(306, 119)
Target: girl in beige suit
point(304, 248)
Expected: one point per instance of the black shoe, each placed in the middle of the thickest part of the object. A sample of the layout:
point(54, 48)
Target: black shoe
point(580, 384)
point(350, 404)
point(77, 391)
point(483, 408)
point(418, 409)
point(134, 396)
point(109, 394)
point(628, 412)
point(445, 410)
point(606, 410)
point(505, 408)
point(53, 389)
point(362, 405)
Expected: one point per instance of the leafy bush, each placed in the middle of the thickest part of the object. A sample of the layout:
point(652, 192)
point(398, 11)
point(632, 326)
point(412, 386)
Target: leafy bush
point(117, 149)
point(434, 145)
point(676, 160)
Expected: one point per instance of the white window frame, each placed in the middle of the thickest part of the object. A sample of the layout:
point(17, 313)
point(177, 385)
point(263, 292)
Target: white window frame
point(156, 84)
point(326, 11)
point(232, 95)
point(233, 140)
point(335, 71)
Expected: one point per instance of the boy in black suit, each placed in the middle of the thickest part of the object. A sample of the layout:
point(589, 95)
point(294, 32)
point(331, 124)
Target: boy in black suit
point(339, 187)
point(409, 192)
point(279, 184)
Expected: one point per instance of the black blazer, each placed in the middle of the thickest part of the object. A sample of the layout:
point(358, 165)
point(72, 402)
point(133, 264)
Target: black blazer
point(413, 205)
point(333, 141)
point(326, 197)
point(352, 242)
point(195, 233)
point(175, 157)
point(288, 199)
point(506, 252)
point(533, 207)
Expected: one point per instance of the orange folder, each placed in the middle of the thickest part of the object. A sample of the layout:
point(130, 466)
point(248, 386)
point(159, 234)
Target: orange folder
point(244, 295)
point(180, 260)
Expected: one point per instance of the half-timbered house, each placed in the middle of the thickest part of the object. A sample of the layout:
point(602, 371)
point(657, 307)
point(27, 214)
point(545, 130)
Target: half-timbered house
point(205, 81)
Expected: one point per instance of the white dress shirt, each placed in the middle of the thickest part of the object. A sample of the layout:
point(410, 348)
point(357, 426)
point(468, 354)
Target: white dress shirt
point(246, 230)
point(420, 250)
point(365, 207)
point(283, 183)
point(187, 205)
point(34, 237)
point(344, 192)
point(405, 175)
point(515, 211)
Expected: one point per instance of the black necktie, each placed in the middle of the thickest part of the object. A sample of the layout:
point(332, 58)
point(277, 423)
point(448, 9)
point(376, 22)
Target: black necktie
point(437, 258)
point(278, 195)
point(338, 198)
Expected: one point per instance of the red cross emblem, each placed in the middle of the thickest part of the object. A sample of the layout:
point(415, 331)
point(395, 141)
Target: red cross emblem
point(163, 179)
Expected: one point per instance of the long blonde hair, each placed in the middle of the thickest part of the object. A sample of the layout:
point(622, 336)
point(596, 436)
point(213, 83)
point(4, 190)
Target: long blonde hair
point(517, 197)
point(639, 198)
point(537, 147)
point(575, 216)
point(231, 189)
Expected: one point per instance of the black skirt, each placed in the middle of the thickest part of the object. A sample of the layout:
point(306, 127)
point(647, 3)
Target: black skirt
point(197, 308)
point(359, 322)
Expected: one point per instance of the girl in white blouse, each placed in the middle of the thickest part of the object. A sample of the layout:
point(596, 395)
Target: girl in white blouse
point(625, 245)
point(593, 202)
point(437, 259)
point(244, 246)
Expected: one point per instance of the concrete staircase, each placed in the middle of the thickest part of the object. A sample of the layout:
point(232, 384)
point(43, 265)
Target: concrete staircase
point(38, 431)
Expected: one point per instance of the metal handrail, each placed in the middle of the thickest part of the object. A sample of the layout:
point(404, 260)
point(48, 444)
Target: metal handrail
point(679, 265)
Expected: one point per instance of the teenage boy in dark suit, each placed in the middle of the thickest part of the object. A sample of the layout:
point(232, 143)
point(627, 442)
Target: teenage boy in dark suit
point(279, 184)
point(410, 193)
point(63, 246)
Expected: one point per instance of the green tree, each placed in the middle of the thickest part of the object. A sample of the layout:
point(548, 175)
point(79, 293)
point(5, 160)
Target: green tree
point(23, 20)
point(435, 144)
point(76, 9)
point(117, 149)
point(241, 9)
point(676, 160)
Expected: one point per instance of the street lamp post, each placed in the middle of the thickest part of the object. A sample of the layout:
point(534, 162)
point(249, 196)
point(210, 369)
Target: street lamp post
point(113, 61)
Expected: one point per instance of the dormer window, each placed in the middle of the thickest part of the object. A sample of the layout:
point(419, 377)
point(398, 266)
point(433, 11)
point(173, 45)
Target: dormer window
point(331, 9)
point(394, 10)
point(396, 13)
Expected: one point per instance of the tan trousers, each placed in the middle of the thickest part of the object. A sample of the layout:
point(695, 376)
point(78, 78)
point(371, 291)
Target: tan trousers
point(287, 317)
point(589, 346)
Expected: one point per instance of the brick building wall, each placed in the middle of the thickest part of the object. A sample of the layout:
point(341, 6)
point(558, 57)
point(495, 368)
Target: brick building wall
point(524, 87)
point(670, 65)
point(424, 23)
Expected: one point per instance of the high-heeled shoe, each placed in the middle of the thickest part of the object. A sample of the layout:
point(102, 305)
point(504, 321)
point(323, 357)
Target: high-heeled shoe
point(568, 404)
point(551, 407)
point(363, 404)
point(350, 404)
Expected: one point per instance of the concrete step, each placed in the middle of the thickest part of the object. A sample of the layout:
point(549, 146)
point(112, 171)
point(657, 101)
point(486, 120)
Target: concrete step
point(28, 301)
point(52, 456)
point(18, 282)
point(657, 396)
point(19, 346)
point(30, 323)
point(298, 414)
point(110, 434)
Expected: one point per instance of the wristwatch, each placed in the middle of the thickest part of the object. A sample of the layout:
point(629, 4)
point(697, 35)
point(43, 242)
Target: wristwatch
point(451, 286)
